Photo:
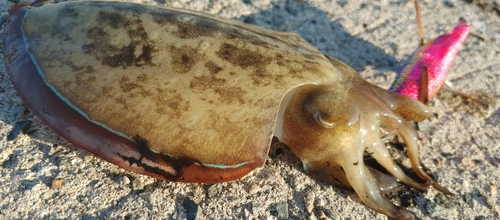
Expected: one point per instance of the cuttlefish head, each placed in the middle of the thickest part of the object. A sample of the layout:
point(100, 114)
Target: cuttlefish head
point(331, 128)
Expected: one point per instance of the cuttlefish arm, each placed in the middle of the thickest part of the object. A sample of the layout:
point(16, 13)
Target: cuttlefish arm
point(330, 127)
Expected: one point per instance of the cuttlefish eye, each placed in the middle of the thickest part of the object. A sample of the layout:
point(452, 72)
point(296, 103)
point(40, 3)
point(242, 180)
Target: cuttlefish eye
point(313, 105)
point(320, 119)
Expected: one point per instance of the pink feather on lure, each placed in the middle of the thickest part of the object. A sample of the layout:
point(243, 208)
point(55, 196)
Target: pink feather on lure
point(437, 56)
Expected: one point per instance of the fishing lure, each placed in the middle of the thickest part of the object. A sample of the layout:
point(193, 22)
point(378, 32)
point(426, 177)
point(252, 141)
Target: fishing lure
point(185, 96)
point(424, 72)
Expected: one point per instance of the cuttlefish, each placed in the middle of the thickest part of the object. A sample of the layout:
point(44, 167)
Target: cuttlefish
point(186, 96)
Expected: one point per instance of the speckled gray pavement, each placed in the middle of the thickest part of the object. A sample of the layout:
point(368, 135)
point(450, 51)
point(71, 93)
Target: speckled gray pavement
point(459, 142)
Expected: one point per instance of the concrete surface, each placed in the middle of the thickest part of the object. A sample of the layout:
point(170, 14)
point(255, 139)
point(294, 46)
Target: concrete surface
point(459, 142)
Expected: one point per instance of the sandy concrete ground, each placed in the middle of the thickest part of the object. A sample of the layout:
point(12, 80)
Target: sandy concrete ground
point(459, 142)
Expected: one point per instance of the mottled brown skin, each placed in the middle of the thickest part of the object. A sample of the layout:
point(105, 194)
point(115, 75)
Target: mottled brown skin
point(157, 55)
point(185, 96)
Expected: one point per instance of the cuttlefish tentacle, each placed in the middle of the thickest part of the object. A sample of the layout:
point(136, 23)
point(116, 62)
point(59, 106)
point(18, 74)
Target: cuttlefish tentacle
point(406, 108)
point(366, 187)
point(410, 140)
point(380, 153)
point(331, 127)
